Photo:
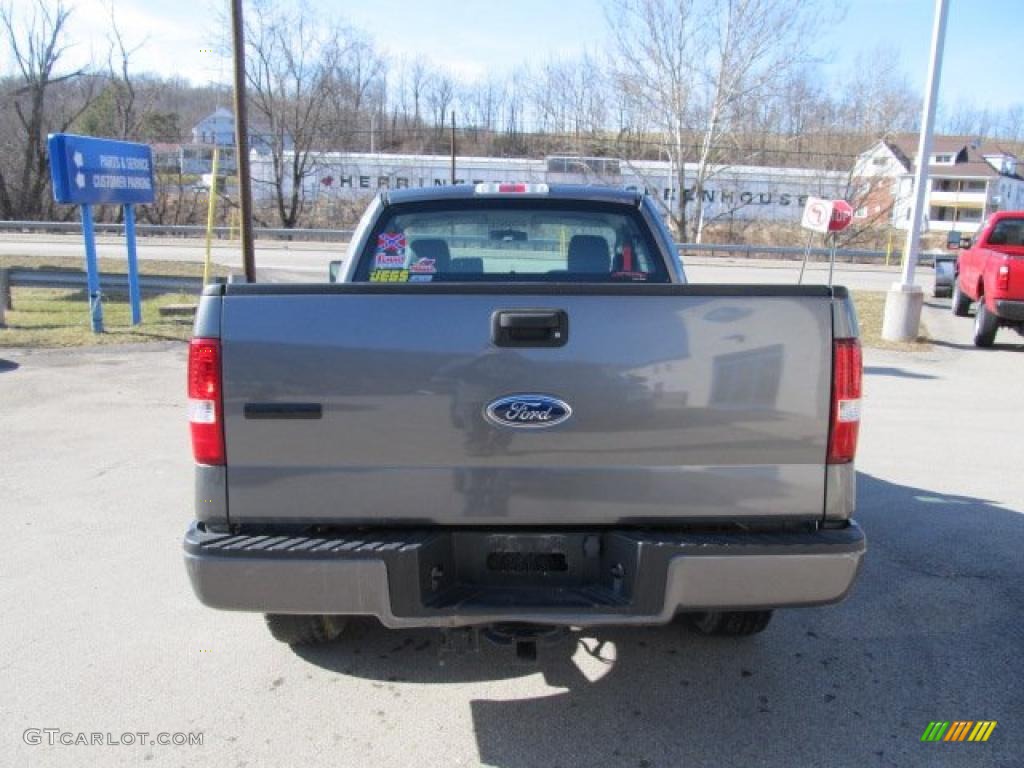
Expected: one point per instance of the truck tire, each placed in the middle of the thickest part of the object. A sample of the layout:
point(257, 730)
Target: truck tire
point(961, 303)
point(985, 325)
point(304, 630)
point(730, 623)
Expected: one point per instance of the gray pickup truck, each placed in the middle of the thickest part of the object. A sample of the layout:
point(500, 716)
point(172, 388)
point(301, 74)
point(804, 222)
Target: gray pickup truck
point(513, 411)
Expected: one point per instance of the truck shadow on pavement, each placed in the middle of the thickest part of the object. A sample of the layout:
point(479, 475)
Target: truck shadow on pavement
point(999, 345)
point(931, 631)
point(900, 373)
point(1006, 338)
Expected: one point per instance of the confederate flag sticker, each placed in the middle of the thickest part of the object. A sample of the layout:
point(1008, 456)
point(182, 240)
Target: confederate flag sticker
point(390, 250)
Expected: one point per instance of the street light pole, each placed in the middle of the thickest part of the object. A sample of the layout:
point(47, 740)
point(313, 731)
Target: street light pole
point(903, 304)
point(453, 147)
point(242, 143)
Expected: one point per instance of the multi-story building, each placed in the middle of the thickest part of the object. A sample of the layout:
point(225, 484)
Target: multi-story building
point(967, 180)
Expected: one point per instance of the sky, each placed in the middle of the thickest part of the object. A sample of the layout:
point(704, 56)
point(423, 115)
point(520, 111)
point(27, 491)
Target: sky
point(981, 66)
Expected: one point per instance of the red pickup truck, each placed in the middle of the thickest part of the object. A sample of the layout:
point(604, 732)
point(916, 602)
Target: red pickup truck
point(990, 271)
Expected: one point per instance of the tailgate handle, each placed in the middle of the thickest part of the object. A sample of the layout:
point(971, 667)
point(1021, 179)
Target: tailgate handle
point(530, 328)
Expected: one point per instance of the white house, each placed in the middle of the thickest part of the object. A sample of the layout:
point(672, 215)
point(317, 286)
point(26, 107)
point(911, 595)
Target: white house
point(218, 129)
point(967, 180)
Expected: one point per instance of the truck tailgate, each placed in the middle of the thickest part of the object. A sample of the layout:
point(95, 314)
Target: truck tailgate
point(365, 404)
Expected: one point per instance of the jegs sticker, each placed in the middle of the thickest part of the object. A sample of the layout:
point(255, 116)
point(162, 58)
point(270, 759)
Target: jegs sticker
point(423, 266)
point(389, 276)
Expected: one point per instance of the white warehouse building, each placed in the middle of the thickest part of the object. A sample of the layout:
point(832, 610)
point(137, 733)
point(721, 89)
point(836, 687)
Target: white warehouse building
point(742, 193)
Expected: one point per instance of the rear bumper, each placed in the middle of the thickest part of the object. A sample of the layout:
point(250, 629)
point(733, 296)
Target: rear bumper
point(446, 578)
point(1010, 310)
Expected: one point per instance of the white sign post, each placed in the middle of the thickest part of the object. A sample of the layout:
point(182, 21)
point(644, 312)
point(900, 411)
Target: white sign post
point(817, 215)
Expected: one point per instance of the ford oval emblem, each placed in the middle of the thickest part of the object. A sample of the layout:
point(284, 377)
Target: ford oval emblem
point(528, 411)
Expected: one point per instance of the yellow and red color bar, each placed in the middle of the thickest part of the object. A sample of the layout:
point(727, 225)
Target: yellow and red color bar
point(959, 730)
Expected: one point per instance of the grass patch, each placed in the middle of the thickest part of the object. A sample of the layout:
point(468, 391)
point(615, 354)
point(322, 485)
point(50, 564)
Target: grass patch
point(113, 266)
point(59, 317)
point(870, 310)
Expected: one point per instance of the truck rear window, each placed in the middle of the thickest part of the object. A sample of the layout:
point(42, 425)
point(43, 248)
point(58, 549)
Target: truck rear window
point(503, 240)
point(1007, 232)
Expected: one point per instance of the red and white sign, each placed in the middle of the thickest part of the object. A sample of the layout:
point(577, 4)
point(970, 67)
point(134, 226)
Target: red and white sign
point(842, 215)
point(817, 214)
point(423, 266)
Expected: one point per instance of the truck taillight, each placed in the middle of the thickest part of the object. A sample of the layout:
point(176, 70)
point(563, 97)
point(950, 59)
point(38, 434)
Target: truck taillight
point(1003, 277)
point(205, 404)
point(846, 391)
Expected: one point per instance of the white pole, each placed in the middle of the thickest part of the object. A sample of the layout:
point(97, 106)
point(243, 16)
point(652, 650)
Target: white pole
point(924, 143)
point(903, 303)
point(671, 184)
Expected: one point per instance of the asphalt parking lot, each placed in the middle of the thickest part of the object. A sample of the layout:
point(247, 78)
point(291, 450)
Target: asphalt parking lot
point(101, 633)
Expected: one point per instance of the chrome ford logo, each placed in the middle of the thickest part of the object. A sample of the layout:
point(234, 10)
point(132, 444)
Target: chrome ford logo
point(528, 411)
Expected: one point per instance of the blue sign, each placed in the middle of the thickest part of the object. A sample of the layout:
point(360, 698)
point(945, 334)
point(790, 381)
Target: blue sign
point(88, 170)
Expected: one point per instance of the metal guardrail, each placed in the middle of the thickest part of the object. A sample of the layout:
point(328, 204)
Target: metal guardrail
point(53, 278)
point(849, 255)
point(177, 230)
point(785, 251)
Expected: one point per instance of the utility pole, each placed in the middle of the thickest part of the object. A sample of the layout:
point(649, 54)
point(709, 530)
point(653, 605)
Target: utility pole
point(453, 146)
point(242, 143)
point(903, 303)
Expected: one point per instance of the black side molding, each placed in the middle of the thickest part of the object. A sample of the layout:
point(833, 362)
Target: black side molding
point(283, 410)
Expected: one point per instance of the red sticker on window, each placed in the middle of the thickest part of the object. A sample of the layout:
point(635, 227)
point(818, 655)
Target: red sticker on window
point(388, 260)
point(423, 266)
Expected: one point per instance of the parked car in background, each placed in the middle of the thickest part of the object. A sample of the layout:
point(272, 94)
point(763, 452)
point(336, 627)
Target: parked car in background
point(945, 269)
point(990, 272)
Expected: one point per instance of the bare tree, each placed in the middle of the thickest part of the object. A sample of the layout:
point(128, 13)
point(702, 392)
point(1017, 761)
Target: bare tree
point(292, 59)
point(38, 43)
point(568, 97)
point(750, 46)
point(701, 65)
point(126, 100)
point(656, 43)
point(440, 93)
point(1011, 124)
point(419, 75)
point(483, 102)
point(878, 99)
point(358, 90)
